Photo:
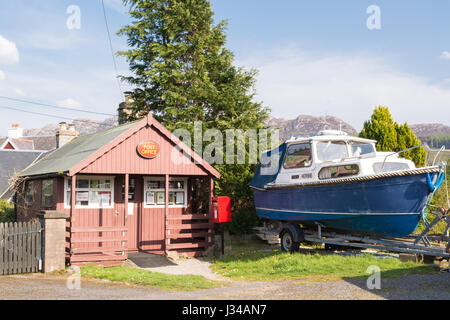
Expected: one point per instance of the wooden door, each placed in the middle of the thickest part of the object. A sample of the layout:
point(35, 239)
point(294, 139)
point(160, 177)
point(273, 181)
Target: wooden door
point(133, 214)
point(152, 225)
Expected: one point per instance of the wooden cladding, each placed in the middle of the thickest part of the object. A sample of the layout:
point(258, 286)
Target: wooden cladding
point(105, 244)
point(193, 232)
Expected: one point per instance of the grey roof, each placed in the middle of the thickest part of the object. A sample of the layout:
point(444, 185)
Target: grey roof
point(43, 142)
point(14, 161)
point(23, 143)
point(63, 159)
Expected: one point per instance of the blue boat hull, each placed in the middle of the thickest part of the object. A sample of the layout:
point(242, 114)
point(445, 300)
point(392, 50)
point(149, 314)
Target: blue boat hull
point(388, 207)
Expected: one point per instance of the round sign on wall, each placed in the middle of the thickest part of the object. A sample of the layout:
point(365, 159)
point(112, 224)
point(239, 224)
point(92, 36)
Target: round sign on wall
point(148, 149)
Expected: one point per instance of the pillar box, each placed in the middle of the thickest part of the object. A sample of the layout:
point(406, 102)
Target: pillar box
point(221, 209)
point(53, 240)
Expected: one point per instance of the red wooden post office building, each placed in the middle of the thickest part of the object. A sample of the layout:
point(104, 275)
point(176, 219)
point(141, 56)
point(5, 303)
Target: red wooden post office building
point(129, 188)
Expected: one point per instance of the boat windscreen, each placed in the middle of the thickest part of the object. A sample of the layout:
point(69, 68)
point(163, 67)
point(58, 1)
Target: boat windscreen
point(358, 149)
point(332, 150)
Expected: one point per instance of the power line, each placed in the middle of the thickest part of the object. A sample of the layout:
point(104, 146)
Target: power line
point(56, 107)
point(112, 50)
point(48, 115)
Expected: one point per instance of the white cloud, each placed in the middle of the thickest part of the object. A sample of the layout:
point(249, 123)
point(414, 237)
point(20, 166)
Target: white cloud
point(8, 51)
point(19, 92)
point(445, 55)
point(347, 86)
point(2, 75)
point(69, 102)
point(45, 41)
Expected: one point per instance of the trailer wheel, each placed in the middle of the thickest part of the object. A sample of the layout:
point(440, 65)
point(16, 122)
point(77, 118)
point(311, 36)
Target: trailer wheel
point(287, 242)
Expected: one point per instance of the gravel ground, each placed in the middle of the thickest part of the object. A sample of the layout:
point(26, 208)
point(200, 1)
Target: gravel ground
point(161, 264)
point(39, 286)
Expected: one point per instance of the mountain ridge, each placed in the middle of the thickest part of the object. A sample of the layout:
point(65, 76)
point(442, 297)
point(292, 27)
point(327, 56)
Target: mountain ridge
point(303, 124)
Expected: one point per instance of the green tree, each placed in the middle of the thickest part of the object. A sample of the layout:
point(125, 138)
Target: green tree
point(381, 127)
point(391, 136)
point(182, 73)
point(6, 212)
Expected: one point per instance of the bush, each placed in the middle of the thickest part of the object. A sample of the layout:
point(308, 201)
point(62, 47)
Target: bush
point(6, 212)
point(242, 221)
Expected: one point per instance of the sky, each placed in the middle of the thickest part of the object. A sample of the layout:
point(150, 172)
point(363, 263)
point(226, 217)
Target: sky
point(337, 58)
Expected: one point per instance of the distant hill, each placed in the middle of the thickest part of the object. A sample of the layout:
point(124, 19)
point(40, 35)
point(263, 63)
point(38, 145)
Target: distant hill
point(308, 124)
point(302, 124)
point(430, 129)
point(83, 126)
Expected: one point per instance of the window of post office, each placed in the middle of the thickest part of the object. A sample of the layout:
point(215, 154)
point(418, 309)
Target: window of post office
point(298, 156)
point(131, 189)
point(91, 192)
point(28, 195)
point(47, 193)
point(155, 192)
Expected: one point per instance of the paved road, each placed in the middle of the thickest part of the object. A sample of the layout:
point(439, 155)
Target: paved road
point(38, 286)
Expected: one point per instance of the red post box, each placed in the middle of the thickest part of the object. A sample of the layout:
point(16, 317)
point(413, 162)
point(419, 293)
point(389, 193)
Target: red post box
point(221, 209)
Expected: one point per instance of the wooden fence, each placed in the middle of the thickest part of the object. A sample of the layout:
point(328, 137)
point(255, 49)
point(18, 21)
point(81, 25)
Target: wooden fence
point(20, 247)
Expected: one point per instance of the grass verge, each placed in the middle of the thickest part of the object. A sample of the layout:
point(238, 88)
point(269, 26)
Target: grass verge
point(255, 262)
point(149, 279)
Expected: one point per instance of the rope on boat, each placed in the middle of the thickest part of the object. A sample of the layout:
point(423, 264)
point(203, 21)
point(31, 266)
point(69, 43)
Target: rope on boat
point(446, 188)
point(433, 188)
point(390, 174)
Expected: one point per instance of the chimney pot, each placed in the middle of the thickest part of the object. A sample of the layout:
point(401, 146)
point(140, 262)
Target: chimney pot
point(62, 126)
point(125, 108)
point(128, 97)
point(65, 134)
point(15, 131)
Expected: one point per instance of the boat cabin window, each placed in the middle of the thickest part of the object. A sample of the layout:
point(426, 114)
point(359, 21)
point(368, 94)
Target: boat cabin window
point(358, 149)
point(298, 156)
point(332, 150)
point(338, 171)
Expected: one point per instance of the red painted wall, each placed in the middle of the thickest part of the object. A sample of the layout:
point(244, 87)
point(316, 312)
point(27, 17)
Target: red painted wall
point(125, 159)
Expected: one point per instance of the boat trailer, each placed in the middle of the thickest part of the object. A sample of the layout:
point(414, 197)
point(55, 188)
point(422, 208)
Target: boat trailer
point(426, 244)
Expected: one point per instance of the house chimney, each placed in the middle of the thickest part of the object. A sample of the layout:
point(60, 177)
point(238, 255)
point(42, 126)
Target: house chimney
point(65, 134)
point(125, 108)
point(15, 131)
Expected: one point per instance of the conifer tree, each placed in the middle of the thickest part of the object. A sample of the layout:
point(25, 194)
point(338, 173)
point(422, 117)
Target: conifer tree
point(391, 136)
point(182, 73)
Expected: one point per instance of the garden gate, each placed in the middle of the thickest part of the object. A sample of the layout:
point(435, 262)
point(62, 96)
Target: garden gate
point(20, 247)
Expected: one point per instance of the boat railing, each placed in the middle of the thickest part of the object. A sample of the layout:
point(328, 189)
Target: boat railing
point(437, 154)
point(398, 152)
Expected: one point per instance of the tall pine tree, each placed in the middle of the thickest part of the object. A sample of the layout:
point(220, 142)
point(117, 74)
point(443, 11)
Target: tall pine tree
point(182, 72)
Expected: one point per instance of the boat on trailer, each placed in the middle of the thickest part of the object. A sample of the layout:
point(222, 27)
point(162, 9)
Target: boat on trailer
point(340, 182)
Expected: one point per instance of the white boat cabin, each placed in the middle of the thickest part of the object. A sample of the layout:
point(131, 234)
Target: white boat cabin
point(333, 154)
